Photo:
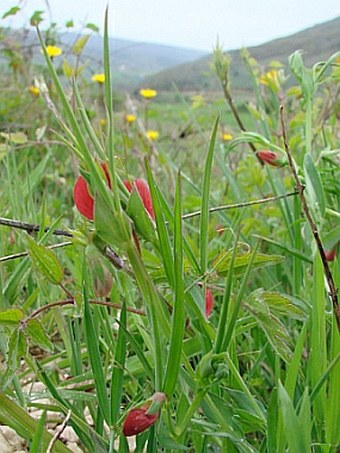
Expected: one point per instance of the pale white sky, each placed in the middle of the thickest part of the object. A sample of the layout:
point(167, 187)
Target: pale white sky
point(187, 23)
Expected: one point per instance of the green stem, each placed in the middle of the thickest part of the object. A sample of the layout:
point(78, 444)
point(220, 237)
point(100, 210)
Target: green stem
point(192, 409)
point(159, 322)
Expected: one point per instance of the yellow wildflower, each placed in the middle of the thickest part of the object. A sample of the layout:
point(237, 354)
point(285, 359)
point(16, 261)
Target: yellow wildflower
point(148, 93)
point(99, 78)
point(53, 51)
point(130, 118)
point(152, 135)
point(271, 78)
point(34, 90)
point(227, 137)
point(102, 122)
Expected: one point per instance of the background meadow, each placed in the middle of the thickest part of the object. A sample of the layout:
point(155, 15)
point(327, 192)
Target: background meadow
point(168, 256)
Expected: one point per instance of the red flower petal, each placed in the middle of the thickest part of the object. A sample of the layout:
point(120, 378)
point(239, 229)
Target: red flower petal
point(144, 192)
point(209, 302)
point(82, 199)
point(137, 421)
point(269, 157)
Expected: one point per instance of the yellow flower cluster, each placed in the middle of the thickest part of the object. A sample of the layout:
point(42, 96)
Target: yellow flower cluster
point(227, 137)
point(271, 79)
point(148, 93)
point(34, 90)
point(130, 118)
point(99, 78)
point(152, 135)
point(53, 51)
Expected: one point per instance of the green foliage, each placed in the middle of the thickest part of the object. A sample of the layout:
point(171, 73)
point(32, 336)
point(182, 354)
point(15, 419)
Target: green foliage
point(121, 311)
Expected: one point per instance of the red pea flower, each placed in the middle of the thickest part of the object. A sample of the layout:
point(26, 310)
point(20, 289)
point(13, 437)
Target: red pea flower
point(82, 199)
point(138, 419)
point(271, 158)
point(209, 300)
point(144, 192)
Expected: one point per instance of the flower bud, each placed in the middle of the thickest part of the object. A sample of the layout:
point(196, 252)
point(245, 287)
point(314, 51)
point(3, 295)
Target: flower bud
point(141, 418)
point(144, 192)
point(271, 158)
point(330, 254)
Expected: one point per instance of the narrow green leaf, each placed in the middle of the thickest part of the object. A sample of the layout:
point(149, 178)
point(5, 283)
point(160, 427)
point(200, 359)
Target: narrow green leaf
point(314, 186)
point(92, 342)
point(163, 236)
point(305, 419)
point(118, 368)
point(178, 316)
point(291, 425)
point(92, 27)
point(204, 219)
point(222, 322)
point(45, 262)
point(36, 445)
point(17, 418)
point(37, 334)
point(272, 421)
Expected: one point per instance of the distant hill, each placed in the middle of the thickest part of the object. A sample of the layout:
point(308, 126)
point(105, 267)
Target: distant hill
point(131, 61)
point(318, 43)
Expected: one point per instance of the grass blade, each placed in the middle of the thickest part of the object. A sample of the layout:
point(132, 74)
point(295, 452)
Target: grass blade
point(204, 219)
point(178, 316)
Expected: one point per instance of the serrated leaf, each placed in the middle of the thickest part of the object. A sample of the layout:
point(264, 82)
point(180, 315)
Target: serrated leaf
point(280, 304)
point(16, 349)
point(17, 138)
point(142, 221)
point(45, 262)
point(222, 262)
point(276, 332)
point(80, 44)
point(38, 336)
point(11, 12)
point(11, 316)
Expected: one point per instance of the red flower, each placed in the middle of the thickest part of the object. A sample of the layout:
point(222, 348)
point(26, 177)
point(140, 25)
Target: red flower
point(143, 190)
point(330, 254)
point(138, 420)
point(82, 199)
point(209, 300)
point(270, 158)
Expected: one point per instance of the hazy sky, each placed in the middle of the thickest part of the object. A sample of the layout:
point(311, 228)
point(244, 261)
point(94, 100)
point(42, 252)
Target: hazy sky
point(188, 23)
